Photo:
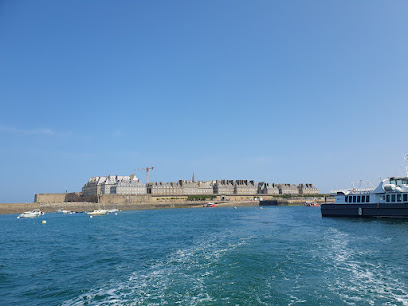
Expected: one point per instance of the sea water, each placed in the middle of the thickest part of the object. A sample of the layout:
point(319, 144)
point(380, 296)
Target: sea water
point(204, 256)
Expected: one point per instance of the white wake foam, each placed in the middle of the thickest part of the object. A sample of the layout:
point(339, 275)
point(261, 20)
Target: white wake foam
point(180, 277)
point(357, 280)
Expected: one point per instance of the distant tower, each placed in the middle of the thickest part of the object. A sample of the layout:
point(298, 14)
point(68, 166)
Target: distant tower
point(194, 178)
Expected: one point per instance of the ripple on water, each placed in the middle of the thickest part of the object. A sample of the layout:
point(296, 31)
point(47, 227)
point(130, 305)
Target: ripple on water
point(274, 256)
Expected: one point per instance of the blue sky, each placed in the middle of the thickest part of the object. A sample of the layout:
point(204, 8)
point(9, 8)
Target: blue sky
point(277, 91)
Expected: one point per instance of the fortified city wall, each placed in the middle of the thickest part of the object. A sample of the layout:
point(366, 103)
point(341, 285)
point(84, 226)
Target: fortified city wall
point(128, 192)
point(146, 202)
point(63, 197)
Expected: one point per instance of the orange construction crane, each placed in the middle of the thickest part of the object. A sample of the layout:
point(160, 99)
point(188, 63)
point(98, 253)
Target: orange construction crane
point(147, 172)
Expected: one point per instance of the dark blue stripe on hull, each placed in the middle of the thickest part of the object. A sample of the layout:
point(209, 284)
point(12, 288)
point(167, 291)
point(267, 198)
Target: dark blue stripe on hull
point(365, 210)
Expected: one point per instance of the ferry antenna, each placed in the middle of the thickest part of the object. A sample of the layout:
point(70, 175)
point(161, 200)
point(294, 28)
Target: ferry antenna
point(406, 166)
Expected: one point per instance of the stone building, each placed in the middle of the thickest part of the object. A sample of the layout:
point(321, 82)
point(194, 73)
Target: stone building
point(245, 187)
point(268, 188)
point(188, 187)
point(196, 188)
point(93, 187)
point(128, 185)
point(205, 187)
point(182, 187)
point(288, 189)
point(307, 189)
point(131, 185)
point(107, 186)
point(114, 185)
point(225, 187)
point(165, 189)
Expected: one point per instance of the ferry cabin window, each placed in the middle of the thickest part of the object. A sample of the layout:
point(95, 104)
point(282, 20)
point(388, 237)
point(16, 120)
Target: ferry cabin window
point(399, 182)
point(367, 199)
point(405, 197)
point(362, 199)
point(388, 197)
point(393, 198)
point(358, 199)
point(382, 198)
point(399, 196)
point(354, 199)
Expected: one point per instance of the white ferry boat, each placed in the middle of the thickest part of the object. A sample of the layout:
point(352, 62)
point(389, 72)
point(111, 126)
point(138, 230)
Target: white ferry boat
point(389, 199)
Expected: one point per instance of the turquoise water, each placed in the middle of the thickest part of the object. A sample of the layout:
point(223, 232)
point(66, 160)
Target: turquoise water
point(207, 256)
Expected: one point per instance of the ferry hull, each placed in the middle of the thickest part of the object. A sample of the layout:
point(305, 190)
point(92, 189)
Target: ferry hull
point(391, 210)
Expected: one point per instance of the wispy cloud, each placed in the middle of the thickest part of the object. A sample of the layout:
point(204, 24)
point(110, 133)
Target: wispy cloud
point(30, 132)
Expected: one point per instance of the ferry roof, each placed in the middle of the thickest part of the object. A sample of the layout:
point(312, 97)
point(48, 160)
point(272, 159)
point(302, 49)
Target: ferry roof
point(399, 178)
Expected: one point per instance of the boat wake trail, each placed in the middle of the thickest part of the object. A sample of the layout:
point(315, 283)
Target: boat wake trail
point(357, 277)
point(179, 278)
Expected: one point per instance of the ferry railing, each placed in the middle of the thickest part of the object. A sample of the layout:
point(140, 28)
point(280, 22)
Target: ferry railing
point(353, 190)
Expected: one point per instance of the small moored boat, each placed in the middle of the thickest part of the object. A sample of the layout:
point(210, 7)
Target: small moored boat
point(209, 204)
point(312, 204)
point(97, 212)
point(31, 214)
point(66, 212)
point(112, 210)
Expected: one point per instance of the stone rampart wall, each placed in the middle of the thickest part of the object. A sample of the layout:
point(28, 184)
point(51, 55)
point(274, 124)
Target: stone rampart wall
point(50, 197)
point(145, 202)
point(17, 208)
point(135, 199)
point(124, 199)
point(62, 197)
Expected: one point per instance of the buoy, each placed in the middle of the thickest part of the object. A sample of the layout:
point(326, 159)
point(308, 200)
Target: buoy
point(235, 207)
point(44, 222)
point(18, 217)
point(91, 217)
point(260, 207)
point(116, 214)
